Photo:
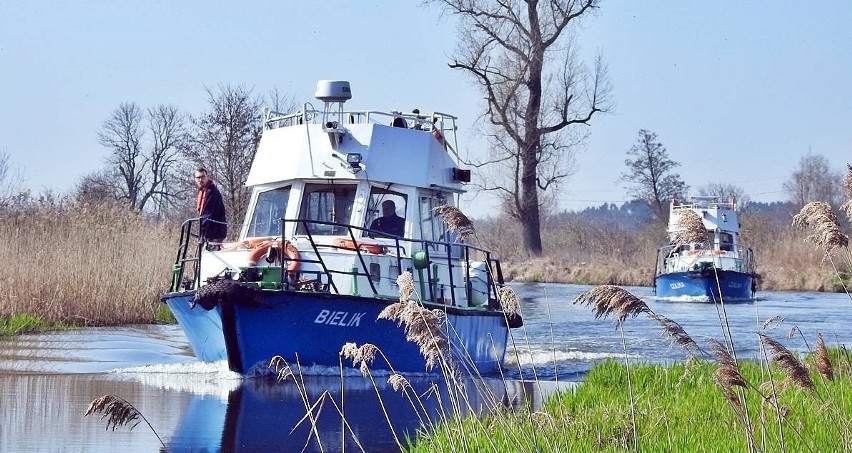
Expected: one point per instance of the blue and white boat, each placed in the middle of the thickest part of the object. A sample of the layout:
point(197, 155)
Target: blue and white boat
point(718, 269)
point(311, 270)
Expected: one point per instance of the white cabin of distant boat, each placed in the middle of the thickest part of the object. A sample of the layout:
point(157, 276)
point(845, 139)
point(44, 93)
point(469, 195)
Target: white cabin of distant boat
point(722, 248)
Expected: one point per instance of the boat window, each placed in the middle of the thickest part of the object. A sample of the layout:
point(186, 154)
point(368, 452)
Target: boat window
point(726, 241)
point(268, 212)
point(386, 213)
point(326, 209)
point(432, 226)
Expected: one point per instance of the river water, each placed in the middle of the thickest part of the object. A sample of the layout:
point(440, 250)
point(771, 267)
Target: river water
point(48, 380)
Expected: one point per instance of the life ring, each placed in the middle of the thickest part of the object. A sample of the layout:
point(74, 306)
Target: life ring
point(349, 244)
point(289, 249)
point(245, 244)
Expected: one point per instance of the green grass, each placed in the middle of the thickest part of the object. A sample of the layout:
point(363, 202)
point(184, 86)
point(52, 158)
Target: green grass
point(678, 407)
point(25, 323)
point(164, 315)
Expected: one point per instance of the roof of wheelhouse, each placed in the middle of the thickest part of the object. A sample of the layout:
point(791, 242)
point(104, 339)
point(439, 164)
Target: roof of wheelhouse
point(313, 144)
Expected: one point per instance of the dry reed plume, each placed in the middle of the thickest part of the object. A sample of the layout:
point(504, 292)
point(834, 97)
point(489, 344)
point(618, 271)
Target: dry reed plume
point(822, 361)
point(508, 300)
point(118, 412)
point(422, 326)
point(676, 333)
point(727, 375)
point(826, 233)
point(847, 191)
point(607, 300)
point(796, 371)
point(456, 221)
point(689, 228)
point(405, 282)
point(361, 356)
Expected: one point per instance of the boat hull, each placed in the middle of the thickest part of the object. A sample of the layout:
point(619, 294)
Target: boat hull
point(203, 328)
point(307, 328)
point(733, 285)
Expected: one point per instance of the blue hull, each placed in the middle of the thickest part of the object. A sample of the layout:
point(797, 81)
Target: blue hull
point(734, 285)
point(203, 328)
point(311, 329)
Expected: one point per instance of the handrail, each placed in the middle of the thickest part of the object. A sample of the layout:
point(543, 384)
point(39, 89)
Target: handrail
point(399, 251)
point(400, 247)
point(186, 233)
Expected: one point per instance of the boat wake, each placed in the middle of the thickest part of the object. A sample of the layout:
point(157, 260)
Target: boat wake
point(545, 357)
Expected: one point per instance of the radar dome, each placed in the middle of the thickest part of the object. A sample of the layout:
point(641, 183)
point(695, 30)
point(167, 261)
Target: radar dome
point(333, 91)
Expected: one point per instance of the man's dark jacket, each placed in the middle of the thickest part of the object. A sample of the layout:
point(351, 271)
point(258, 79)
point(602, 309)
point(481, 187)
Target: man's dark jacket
point(213, 226)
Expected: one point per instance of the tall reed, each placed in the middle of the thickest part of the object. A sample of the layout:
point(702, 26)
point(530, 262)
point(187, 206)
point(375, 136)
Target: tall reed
point(83, 264)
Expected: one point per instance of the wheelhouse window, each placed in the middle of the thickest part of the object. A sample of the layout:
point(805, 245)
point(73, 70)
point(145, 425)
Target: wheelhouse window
point(386, 213)
point(269, 209)
point(326, 209)
point(432, 226)
point(726, 241)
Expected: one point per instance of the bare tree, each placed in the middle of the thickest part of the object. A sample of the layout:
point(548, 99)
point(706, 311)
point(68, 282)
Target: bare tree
point(815, 180)
point(137, 172)
point(99, 186)
point(523, 57)
point(168, 139)
point(11, 181)
point(225, 140)
point(725, 192)
point(122, 135)
point(650, 174)
point(280, 102)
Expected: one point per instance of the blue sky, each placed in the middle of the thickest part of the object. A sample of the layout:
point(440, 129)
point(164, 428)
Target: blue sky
point(738, 92)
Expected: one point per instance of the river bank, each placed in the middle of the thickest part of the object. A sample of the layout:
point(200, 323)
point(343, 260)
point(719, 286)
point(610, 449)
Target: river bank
point(106, 266)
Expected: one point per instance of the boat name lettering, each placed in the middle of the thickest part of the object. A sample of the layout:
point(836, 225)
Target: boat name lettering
point(339, 318)
point(677, 285)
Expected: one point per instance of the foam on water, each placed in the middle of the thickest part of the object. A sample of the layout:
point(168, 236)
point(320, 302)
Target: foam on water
point(544, 357)
point(199, 378)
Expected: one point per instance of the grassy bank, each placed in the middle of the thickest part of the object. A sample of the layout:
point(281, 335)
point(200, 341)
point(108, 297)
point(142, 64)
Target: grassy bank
point(777, 402)
point(672, 408)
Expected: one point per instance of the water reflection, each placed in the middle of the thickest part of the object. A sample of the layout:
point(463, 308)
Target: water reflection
point(330, 413)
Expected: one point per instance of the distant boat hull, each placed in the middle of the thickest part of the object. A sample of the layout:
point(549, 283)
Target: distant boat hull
point(311, 329)
point(203, 328)
point(733, 285)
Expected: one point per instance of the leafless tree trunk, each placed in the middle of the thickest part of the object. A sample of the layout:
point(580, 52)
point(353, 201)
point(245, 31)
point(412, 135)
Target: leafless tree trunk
point(225, 142)
point(815, 180)
point(650, 174)
point(521, 55)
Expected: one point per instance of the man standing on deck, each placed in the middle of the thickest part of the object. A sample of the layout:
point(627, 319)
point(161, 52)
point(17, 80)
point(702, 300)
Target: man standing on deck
point(211, 209)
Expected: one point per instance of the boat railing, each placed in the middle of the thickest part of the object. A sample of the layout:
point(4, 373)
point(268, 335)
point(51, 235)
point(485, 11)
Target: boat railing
point(426, 252)
point(708, 202)
point(426, 256)
point(742, 256)
point(443, 123)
